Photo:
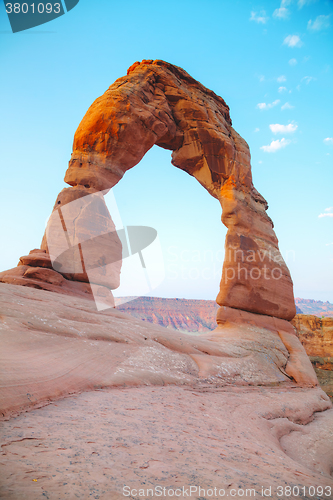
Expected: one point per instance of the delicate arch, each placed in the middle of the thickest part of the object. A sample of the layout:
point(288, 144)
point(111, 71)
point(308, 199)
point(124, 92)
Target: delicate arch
point(158, 103)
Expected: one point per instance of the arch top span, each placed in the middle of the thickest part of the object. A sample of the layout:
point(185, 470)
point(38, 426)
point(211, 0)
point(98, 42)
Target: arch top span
point(159, 103)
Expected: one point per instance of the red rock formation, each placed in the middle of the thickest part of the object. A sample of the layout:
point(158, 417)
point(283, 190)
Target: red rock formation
point(82, 239)
point(316, 335)
point(35, 271)
point(158, 103)
point(54, 345)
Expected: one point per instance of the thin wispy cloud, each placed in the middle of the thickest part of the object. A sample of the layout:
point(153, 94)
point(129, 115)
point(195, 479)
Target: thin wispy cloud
point(329, 141)
point(256, 130)
point(281, 13)
point(264, 105)
point(276, 128)
point(320, 23)
point(301, 3)
point(287, 106)
point(308, 79)
point(276, 145)
point(281, 79)
point(282, 89)
point(328, 213)
point(259, 17)
point(292, 62)
point(293, 41)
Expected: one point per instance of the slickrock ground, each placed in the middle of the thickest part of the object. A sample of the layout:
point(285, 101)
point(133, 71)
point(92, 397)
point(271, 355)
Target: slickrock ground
point(157, 407)
point(94, 444)
point(316, 335)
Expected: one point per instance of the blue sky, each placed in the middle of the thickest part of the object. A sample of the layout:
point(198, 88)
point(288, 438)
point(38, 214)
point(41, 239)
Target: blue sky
point(270, 61)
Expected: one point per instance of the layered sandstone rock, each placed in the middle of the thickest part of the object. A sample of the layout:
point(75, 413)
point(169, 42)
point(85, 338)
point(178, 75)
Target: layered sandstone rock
point(158, 103)
point(158, 407)
point(81, 238)
point(316, 335)
point(35, 271)
point(53, 345)
point(81, 252)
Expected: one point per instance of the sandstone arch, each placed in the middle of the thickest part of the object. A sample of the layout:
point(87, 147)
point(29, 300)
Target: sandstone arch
point(158, 103)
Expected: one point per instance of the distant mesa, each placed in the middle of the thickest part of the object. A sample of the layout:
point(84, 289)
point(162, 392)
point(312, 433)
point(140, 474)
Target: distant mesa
point(316, 307)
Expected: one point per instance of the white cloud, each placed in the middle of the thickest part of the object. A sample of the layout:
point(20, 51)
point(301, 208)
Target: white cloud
point(293, 41)
point(328, 213)
point(281, 13)
point(325, 215)
point(320, 23)
point(257, 129)
point(263, 105)
point(281, 79)
point(282, 89)
point(301, 3)
point(308, 79)
point(276, 128)
point(293, 62)
point(287, 106)
point(276, 145)
point(328, 140)
point(259, 17)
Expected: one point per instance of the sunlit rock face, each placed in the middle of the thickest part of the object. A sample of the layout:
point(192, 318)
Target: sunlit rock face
point(316, 335)
point(158, 103)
